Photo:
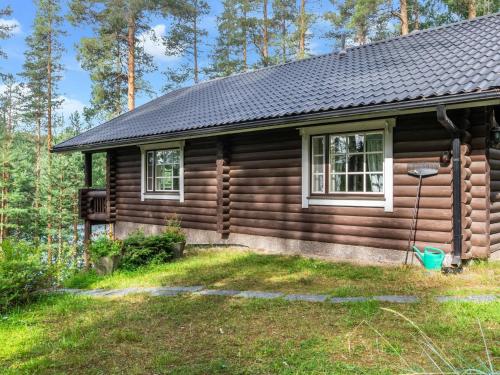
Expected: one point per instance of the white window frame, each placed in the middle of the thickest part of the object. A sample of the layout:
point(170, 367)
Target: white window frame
point(385, 125)
point(179, 196)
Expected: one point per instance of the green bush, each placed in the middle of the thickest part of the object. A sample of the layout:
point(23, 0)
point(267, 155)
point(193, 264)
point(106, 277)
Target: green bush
point(22, 274)
point(104, 247)
point(139, 249)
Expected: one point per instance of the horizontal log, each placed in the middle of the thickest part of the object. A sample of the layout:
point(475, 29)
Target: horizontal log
point(432, 214)
point(207, 159)
point(480, 240)
point(155, 202)
point(494, 154)
point(266, 198)
point(424, 202)
point(285, 189)
point(478, 204)
point(294, 144)
point(425, 191)
point(123, 188)
point(190, 210)
point(422, 145)
point(480, 252)
point(276, 163)
point(477, 167)
point(437, 180)
point(184, 224)
point(478, 179)
point(375, 222)
point(494, 206)
point(200, 196)
point(350, 230)
point(204, 189)
point(478, 191)
point(340, 239)
point(494, 164)
point(278, 153)
point(267, 181)
point(264, 172)
point(128, 164)
point(495, 227)
point(411, 135)
point(168, 215)
point(198, 151)
point(417, 158)
point(199, 167)
point(402, 168)
point(479, 227)
point(494, 217)
point(200, 175)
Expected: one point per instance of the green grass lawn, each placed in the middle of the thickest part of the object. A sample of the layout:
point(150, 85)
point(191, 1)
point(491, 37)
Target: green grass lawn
point(246, 270)
point(64, 334)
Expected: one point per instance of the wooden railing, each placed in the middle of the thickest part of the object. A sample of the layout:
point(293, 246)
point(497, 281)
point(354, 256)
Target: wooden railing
point(94, 205)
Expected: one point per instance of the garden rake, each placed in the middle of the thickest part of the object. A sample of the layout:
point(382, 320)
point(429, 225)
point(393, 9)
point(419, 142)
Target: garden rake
point(420, 170)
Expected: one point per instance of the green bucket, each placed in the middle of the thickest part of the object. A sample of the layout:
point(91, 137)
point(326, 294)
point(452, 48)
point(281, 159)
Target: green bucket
point(432, 257)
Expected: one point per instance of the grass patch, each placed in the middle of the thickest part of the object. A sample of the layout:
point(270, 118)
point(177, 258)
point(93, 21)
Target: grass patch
point(218, 335)
point(246, 270)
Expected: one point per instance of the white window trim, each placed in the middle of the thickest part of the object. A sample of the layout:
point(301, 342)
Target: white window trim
point(161, 146)
point(387, 126)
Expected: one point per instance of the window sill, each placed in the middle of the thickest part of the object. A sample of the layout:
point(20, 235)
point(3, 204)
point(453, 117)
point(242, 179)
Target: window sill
point(346, 202)
point(174, 197)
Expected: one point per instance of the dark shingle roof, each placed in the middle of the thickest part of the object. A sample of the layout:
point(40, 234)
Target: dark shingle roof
point(454, 59)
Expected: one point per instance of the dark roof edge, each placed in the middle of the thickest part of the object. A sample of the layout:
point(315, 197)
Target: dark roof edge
point(379, 110)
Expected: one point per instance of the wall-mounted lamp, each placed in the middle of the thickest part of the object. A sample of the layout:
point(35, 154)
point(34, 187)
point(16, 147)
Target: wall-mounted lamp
point(495, 137)
point(445, 157)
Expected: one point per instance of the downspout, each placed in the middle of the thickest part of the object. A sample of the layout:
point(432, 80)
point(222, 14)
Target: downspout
point(455, 133)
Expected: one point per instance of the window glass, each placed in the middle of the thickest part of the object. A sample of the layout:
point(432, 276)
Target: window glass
point(318, 164)
point(163, 170)
point(150, 160)
point(356, 162)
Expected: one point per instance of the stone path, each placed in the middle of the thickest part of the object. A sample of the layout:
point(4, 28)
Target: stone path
point(200, 290)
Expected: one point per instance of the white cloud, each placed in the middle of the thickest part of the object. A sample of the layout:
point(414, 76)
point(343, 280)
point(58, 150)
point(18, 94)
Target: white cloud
point(70, 105)
point(152, 43)
point(14, 24)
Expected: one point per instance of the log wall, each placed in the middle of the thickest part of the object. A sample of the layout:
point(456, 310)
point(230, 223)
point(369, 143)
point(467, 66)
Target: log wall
point(198, 210)
point(250, 183)
point(494, 193)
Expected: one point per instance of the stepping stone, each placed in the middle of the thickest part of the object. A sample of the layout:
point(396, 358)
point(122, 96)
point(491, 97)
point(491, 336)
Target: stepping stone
point(396, 299)
point(475, 299)
point(217, 292)
point(307, 297)
point(348, 299)
point(164, 292)
point(185, 289)
point(261, 295)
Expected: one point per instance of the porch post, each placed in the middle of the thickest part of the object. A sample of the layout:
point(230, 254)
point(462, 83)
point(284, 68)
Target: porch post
point(223, 198)
point(87, 232)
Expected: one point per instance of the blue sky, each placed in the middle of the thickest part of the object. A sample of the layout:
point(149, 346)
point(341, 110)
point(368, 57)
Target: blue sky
point(75, 85)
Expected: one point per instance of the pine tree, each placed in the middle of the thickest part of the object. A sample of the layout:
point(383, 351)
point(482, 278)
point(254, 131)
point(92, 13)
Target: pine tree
point(114, 57)
point(284, 17)
point(231, 51)
point(9, 112)
point(5, 29)
point(304, 23)
point(260, 32)
point(44, 58)
point(185, 39)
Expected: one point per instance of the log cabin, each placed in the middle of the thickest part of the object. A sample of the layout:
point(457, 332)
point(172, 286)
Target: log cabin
point(311, 157)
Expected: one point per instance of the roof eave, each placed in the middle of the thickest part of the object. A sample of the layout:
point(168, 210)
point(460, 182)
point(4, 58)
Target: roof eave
point(483, 98)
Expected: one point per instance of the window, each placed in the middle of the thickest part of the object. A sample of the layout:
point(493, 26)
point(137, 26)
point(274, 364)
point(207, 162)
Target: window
point(162, 171)
point(348, 164)
point(356, 163)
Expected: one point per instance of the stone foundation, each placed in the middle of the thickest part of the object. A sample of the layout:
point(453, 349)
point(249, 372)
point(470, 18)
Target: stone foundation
point(275, 245)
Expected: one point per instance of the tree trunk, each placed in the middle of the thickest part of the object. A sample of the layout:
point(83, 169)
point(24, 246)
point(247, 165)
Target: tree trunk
point(49, 146)
point(302, 30)
point(265, 36)
point(38, 153)
point(416, 16)
point(403, 15)
point(283, 39)
point(195, 43)
point(471, 9)
point(131, 63)
point(245, 37)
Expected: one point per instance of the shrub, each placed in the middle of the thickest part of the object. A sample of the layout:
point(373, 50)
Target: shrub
point(139, 249)
point(104, 247)
point(174, 231)
point(21, 274)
